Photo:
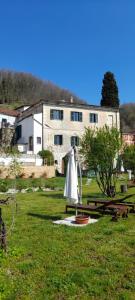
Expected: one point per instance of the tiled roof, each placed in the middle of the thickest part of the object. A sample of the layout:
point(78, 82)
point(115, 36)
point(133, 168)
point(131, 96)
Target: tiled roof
point(69, 104)
point(9, 112)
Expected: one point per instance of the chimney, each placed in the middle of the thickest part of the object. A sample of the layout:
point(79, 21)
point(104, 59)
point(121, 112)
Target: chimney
point(71, 99)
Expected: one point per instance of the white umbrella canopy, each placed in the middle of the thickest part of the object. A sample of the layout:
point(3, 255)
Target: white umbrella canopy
point(71, 183)
point(122, 167)
point(115, 161)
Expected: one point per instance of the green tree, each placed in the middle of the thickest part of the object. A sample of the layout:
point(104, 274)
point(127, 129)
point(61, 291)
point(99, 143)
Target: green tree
point(47, 157)
point(109, 91)
point(128, 157)
point(100, 148)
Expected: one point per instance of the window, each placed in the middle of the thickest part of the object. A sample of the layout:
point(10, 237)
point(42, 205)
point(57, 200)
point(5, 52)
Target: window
point(75, 141)
point(18, 132)
point(58, 140)
point(93, 118)
point(38, 140)
point(30, 143)
point(110, 120)
point(56, 114)
point(4, 122)
point(76, 116)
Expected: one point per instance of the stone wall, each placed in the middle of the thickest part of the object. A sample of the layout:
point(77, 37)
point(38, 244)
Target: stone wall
point(30, 171)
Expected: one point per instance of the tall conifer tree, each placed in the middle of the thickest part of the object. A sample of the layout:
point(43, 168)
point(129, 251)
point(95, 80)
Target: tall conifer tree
point(109, 91)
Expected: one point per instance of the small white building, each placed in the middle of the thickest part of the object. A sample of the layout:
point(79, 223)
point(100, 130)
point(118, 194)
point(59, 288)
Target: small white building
point(7, 117)
point(7, 126)
point(58, 126)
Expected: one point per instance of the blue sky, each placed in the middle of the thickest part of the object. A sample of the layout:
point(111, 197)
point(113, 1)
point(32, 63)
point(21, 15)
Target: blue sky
point(71, 43)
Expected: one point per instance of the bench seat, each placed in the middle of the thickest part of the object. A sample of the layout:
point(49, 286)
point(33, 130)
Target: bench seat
point(116, 210)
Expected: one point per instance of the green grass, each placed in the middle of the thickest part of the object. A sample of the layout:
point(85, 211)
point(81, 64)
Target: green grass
point(56, 182)
point(46, 261)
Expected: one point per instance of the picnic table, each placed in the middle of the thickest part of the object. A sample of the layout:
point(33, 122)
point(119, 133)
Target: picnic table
point(108, 207)
point(117, 202)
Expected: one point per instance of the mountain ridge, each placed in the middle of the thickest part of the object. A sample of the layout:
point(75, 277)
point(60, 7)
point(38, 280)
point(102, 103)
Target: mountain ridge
point(25, 88)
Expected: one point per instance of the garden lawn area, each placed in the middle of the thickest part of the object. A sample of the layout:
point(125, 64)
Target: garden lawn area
point(46, 261)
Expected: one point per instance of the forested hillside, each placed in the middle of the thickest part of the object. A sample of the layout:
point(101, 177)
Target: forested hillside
point(18, 88)
point(127, 113)
point(23, 88)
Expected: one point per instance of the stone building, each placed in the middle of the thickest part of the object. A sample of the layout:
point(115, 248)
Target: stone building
point(58, 126)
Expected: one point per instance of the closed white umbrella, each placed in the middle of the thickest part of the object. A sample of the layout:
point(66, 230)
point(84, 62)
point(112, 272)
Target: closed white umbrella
point(122, 167)
point(71, 183)
point(115, 161)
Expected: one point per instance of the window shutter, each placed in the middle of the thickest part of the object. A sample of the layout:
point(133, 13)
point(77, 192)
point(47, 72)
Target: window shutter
point(80, 117)
point(61, 139)
point(96, 118)
point(51, 114)
point(61, 117)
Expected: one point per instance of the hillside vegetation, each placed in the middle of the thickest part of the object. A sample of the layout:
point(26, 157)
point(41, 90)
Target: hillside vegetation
point(23, 88)
point(18, 88)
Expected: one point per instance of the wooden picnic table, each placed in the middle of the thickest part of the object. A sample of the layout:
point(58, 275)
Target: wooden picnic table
point(118, 211)
point(121, 202)
point(115, 210)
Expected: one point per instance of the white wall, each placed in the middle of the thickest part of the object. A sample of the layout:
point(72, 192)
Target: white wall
point(23, 159)
point(37, 131)
point(31, 126)
point(10, 119)
point(27, 131)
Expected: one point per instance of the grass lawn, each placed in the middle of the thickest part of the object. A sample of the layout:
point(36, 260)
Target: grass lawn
point(46, 261)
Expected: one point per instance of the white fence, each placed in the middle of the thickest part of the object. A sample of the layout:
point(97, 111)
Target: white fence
point(24, 159)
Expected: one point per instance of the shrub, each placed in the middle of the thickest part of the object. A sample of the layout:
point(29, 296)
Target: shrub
point(22, 175)
point(47, 157)
point(21, 184)
point(128, 157)
point(32, 175)
point(29, 190)
point(3, 187)
point(44, 175)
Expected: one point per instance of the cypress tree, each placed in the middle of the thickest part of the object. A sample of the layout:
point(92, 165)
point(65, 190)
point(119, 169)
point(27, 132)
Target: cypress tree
point(109, 91)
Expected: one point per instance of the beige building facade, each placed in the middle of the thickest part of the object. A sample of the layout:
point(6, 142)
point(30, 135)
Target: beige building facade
point(59, 126)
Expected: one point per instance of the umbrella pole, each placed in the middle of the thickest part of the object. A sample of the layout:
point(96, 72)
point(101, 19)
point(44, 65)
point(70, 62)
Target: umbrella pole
point(76, 213)
point(80, 185)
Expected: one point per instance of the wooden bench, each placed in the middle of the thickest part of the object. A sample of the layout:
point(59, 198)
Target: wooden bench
point(115, 210)
point(131, 183)
point(118, 211)
point(115, 201)
point(97, 201)
point(82, 207)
